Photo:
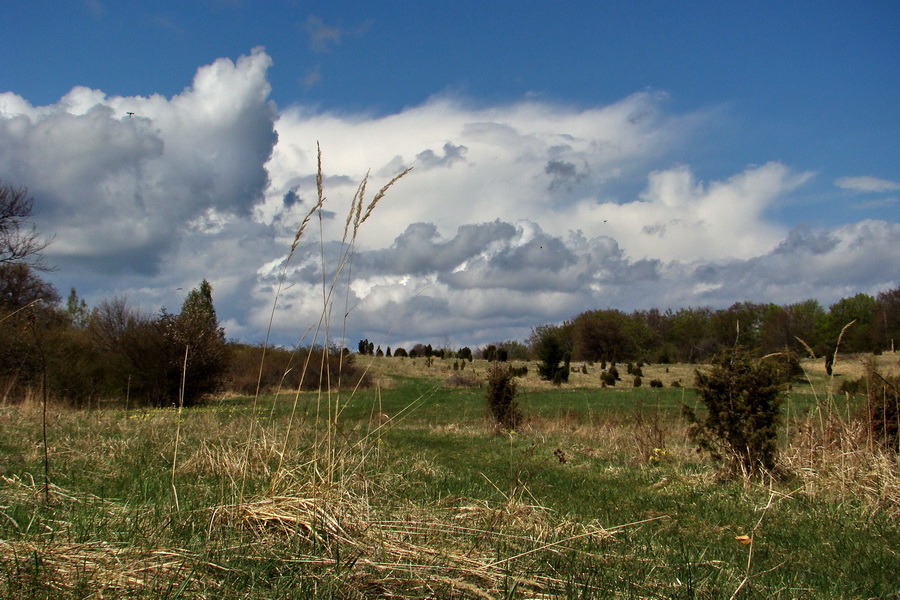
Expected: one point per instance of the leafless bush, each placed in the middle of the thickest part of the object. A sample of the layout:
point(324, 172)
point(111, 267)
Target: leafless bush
point(304, 368)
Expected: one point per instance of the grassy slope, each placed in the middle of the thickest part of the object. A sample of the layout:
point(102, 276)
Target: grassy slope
point(411, 494)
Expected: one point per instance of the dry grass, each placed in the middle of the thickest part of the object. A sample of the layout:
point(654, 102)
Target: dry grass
point(113, 569)
point(421, 550)
point(834, 458)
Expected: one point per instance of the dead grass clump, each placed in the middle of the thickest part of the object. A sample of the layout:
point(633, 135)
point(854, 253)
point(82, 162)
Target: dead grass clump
point(649, 434)
point(837, 452)
point(110, 570)
point(320, 520)
point(398, 549)
point(214, 458)
point(45, 558)
point(462, 380)
point(833, 458)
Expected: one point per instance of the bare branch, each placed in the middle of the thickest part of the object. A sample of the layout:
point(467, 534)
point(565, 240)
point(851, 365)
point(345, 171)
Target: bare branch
point(19, 239)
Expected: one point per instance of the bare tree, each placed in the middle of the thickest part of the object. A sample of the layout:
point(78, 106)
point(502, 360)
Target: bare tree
point(19, 239)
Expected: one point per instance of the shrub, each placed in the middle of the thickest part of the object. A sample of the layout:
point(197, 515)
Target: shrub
point(607, 378)
point(637, 381)
point(656, 383)
point(787, 363)
point(743, 399)
point(501, 397)
point(854, 387)
point(552, 350)
point(140, 358)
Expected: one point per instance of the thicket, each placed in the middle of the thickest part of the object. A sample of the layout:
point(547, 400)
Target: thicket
point(112, 351)
point(280, 369)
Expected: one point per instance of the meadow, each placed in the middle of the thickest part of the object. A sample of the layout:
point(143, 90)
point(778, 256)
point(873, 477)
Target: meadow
point(407, 490)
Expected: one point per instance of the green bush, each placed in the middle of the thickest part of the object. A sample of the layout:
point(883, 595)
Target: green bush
point(501, 397)
point(607, 378)
point(854, 387)
point(743, 398)
point(551, 350)
point(787, 363)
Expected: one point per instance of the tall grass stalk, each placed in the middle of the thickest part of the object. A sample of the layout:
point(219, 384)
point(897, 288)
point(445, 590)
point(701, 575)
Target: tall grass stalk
point(326, 463)
point(281, 277)
point(178, 427)
point(38, 342)
point(833, 453)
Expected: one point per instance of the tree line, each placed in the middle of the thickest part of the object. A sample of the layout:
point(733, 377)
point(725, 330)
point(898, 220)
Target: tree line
point(864, 323)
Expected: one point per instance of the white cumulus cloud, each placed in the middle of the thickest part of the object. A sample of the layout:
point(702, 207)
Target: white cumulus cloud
point(119, 178)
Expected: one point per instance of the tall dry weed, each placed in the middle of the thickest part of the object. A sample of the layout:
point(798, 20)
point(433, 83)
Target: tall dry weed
point(832, 449)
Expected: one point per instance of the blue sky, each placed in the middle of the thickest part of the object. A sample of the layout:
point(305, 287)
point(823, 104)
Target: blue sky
point(671, 154)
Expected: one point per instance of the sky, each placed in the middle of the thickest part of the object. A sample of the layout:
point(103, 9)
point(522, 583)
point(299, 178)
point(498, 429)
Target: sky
point(566, 156)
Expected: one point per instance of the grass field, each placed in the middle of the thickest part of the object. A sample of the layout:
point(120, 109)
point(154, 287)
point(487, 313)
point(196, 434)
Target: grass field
point(405, 491)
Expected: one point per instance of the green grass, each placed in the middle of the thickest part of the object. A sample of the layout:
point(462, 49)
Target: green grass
point(427, 504)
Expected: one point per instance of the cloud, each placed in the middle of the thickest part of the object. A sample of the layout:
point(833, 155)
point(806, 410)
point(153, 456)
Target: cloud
point(826, 265)
point(118, 177)
point(879, 203)
point(95, 7)
point(428, 159)
point(321, 36)
point(867, 184)
point(313, 77)
point(493, 161)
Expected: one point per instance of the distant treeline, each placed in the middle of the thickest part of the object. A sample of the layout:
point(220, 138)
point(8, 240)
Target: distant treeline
point(862, 322)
